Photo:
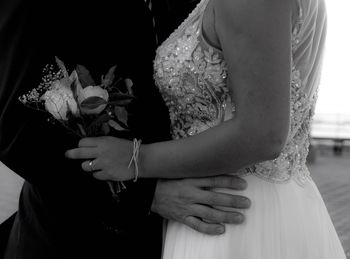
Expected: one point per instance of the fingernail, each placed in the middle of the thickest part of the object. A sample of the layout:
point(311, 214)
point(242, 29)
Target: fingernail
point(247, 203)
point(244, 185)
point(220, 230)
point(239, 218)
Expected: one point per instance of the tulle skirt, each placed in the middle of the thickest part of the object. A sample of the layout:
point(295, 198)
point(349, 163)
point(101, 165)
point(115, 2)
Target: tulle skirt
point(285, 221)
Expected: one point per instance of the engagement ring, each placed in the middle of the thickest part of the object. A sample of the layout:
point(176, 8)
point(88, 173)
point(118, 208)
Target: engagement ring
point(91, 165)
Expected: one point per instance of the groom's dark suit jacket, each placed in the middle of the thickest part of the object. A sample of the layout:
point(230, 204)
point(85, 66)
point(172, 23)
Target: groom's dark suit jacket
point(63, 211)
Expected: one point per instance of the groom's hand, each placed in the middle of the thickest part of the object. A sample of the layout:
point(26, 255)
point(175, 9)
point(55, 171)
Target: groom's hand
point(191, 202)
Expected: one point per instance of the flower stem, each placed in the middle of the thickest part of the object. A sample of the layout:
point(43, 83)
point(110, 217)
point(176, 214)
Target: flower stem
point(83, 132)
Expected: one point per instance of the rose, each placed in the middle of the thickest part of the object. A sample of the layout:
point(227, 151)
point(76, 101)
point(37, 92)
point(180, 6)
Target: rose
point(60, 100)
point(92, 99)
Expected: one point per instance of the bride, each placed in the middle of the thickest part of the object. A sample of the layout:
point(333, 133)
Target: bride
point(240, 80)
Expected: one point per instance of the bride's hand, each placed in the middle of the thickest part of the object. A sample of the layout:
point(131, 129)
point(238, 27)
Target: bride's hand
point(106, 157)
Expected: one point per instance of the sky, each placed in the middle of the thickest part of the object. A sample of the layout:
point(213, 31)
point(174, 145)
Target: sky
point(334, 93)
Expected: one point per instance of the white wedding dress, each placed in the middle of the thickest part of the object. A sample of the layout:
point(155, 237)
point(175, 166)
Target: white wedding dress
point(288, 218)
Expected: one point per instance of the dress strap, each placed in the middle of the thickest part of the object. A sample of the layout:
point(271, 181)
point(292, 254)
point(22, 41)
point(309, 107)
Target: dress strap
point(299, 18)
point(200, 27)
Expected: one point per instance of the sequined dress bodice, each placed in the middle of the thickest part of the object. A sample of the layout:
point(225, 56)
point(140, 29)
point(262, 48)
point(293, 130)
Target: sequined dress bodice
point(192, 78)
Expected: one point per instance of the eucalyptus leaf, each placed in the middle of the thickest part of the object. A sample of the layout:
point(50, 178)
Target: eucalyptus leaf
point(115, 125)
point(84, 76)
point(129, 84)
point(121, 103)
point(121, 114)
point(108, 79)
point(120, 99)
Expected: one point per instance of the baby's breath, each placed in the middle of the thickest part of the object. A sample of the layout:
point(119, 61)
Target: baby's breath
point(50, 75)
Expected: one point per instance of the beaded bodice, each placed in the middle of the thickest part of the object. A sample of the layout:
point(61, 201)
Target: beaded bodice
point(192, 78)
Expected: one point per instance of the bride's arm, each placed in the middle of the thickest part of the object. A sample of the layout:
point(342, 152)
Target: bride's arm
point(255, 39)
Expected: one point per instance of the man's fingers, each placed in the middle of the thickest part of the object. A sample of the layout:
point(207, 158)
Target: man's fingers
point(219, 216)
point(225, 181)
point(213, 198)
point(205, 228)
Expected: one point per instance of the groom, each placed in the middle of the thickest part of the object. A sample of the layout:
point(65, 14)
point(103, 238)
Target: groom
point(63, 212)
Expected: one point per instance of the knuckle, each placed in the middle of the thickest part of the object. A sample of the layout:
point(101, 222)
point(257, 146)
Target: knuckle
point(209, 214)
point(233, 201)
point(196, 226)
point(81, 143)
point(219, 217)
point(234, 182)
point(100, 152)
point(239, 183)
point(191, 223)
point(182, 217)
point(186, 198)
point(213, 199)
point(215, 181)
point(182, 197)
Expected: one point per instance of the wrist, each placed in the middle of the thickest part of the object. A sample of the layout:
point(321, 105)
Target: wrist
point(143, 157)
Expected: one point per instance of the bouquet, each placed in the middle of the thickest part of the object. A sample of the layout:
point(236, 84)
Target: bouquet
point(80, 105)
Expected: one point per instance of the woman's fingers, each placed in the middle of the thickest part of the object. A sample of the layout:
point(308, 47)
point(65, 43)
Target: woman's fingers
point(90, 142)
point(102, 175)
point(82, 153)
point(90, 165)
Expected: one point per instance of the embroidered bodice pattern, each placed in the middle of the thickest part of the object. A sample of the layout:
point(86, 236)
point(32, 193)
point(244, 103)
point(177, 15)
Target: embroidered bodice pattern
point(192, 78)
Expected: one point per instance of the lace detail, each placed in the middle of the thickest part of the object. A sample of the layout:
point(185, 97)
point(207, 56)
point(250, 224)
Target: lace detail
point(192, 78)
point(192, 82)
